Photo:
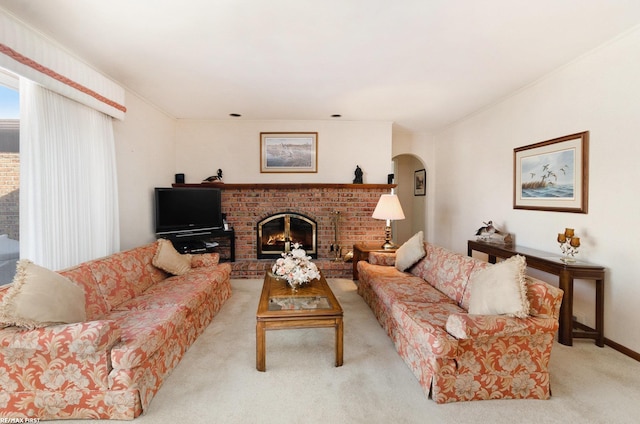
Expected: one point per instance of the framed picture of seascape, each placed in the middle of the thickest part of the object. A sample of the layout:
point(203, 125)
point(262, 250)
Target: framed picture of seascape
point(552, 175)
point(289, 152)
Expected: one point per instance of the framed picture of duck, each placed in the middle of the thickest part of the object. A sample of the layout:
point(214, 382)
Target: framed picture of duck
point(552, 175)
point(289, 152)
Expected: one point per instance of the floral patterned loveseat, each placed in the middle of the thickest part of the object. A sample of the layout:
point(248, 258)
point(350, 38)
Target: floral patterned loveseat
point(140, 322)
point(458, 356)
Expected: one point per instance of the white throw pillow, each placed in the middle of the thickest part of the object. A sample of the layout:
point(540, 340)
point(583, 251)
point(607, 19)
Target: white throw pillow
point(500, 289)
point(40, 297)
point(410, 252)
point(168, 259)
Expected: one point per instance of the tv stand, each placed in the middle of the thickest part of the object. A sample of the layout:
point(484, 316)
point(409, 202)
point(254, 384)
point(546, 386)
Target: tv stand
point(205, 241)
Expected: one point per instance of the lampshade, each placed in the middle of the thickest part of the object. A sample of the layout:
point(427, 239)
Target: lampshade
point(388, 207)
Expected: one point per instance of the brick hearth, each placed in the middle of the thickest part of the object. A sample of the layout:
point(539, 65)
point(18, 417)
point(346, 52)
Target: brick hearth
point(246, 204)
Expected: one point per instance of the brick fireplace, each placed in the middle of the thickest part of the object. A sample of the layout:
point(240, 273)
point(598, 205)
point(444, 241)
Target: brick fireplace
point(247, 204)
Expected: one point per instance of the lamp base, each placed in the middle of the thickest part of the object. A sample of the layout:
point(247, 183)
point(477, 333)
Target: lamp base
point(387, 238)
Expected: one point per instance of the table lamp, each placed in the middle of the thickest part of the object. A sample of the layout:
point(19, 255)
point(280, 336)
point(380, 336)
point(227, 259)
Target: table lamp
point(388, 208)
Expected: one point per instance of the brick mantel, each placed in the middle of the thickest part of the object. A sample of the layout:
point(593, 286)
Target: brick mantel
point(246, 204)
point(284, 186)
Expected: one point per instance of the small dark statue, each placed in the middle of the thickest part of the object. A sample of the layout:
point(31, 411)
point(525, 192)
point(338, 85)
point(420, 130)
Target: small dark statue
point(358, 178)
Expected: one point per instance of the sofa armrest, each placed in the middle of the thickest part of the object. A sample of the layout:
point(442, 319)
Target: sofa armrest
point(81, 338)
point(382, 258)
point(204, 260)
point(466, 326)
point(60, 358)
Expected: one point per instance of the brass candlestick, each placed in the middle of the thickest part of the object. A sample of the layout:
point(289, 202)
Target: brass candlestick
point(569, 244)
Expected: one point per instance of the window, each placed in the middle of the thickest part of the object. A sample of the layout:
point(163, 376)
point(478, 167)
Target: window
point(9, 177)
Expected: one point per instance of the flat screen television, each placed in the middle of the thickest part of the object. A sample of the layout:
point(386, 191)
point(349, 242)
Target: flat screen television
point(187, 209)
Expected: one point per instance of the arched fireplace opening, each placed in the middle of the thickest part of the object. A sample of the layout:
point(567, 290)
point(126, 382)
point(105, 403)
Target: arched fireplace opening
point(277, 233)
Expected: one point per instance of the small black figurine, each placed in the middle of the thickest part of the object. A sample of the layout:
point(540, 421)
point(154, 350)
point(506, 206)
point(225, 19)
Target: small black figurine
point(358, 178)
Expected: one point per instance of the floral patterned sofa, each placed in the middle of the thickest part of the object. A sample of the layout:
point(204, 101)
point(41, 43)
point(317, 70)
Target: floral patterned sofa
point(458, 356)
point(139, 322)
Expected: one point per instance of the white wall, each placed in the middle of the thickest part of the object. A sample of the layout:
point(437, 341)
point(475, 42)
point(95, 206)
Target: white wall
point(151, 147)
point(599, 93)
point(145, 159)
point(234, 146)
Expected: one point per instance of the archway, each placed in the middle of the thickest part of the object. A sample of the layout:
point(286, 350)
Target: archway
point(414, 207)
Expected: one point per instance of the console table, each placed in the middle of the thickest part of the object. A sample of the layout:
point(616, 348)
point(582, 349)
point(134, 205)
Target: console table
point(566, 272)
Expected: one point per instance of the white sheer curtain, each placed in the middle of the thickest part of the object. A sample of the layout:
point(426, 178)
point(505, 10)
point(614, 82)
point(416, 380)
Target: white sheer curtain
point(68, 185)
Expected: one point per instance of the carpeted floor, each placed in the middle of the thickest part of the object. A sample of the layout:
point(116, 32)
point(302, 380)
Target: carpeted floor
point(217, 382)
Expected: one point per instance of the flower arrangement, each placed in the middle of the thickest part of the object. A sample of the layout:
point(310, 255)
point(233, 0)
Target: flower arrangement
point(296, 267)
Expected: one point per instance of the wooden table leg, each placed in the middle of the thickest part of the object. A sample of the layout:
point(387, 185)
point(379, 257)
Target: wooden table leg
point(339, 341)
point(261, 352)
point(600, 313)
point(565, 330)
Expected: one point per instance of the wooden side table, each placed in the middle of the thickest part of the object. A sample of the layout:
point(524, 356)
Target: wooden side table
point(361, 253)
point(566, 272)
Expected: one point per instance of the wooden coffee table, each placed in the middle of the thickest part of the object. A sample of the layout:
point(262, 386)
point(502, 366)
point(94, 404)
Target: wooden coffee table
point(281, 308)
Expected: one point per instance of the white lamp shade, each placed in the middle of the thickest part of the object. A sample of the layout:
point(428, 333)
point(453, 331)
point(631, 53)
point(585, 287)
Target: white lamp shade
point(388, 207)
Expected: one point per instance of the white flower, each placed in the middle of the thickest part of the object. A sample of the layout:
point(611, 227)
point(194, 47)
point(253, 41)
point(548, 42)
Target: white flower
point(296, 267)
point(73, 397)
point(19, 357)
point(51, 402)
point(73, 374)
point(52, 379)
point(6, 383)
point(298, 254)
point(4, 399)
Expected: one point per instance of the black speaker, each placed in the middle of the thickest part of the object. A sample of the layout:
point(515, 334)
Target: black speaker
point(179, 178)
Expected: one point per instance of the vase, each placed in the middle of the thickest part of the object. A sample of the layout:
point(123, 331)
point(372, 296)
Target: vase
point(295, 285)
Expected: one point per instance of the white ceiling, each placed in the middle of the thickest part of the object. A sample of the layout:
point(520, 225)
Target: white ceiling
point(420, 63)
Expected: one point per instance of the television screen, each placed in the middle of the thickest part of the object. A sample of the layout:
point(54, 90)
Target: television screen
point(184, 209)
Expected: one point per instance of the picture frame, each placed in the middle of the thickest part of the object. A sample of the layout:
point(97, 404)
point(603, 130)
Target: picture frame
point(553, 175)
point(420, 182)
point(282, 152)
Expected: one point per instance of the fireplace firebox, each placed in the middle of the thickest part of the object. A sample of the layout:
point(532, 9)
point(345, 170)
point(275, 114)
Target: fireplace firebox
point(277, 233)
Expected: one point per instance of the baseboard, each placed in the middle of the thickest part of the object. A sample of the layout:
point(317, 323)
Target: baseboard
point(615, 346)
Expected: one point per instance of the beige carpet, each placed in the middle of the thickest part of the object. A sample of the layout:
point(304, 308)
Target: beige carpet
point(217, 382)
